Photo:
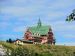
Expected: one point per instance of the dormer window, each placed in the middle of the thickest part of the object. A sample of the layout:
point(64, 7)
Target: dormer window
point(33, 33)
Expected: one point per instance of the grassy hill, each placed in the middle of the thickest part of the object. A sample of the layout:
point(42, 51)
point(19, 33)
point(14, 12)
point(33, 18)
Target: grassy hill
point(38, 50)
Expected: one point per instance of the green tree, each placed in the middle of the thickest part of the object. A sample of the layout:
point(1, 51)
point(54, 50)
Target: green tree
point(71, 17)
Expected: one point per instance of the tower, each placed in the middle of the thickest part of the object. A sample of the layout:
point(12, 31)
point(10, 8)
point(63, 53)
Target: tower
point(39, 23)
point(28, 35)
point(50, 36)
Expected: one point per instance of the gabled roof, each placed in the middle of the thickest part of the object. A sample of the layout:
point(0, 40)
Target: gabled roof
point(43, 30)
point(39, 29)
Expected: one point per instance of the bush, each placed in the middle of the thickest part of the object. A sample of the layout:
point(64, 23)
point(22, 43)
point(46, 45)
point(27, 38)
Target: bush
point(19, 51)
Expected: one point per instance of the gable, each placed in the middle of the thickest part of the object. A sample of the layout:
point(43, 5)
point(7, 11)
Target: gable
point(43, 30)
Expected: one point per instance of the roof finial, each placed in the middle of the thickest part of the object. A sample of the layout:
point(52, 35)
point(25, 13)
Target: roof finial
point(39, 23)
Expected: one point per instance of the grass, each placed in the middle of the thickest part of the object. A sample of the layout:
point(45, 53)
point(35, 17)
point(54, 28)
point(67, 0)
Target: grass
point(42, 50)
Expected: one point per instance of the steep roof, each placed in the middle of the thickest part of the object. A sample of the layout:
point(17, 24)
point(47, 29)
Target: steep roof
point(42, 30)
point(39, 29)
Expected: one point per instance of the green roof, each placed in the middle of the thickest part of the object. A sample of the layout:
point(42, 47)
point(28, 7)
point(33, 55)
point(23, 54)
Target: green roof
point(42, 30)
point(39, 29)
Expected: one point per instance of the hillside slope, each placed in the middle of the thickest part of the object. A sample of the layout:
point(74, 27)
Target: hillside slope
point(38, 50)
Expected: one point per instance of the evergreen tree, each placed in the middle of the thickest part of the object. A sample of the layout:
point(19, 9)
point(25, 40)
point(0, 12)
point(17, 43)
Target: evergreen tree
point(71, 17)
point(9, 40)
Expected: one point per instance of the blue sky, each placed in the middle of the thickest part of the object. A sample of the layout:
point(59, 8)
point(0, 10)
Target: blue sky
point(17, 15)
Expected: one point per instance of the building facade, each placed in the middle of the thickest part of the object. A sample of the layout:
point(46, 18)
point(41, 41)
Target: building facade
point(40, 34)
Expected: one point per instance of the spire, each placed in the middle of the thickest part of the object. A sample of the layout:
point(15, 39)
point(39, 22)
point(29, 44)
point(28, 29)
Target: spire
point(39, 23)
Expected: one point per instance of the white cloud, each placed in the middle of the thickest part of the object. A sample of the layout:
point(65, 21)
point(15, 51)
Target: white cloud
point(62, 4)
point(22, 10)
point(65, 28)
point(69, 35)
point(66, 43)
point(70, 44)
point(53, 15)
point(62, 26)
point(17, 11)
point(7, 36)
point(19, 29)
point(5, 17)
point(4, 25)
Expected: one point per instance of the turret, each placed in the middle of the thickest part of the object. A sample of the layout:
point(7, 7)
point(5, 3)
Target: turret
point(50, 36)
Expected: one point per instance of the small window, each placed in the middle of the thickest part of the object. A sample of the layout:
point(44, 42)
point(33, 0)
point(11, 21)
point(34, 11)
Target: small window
point(33, 33)
point(38, 34)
